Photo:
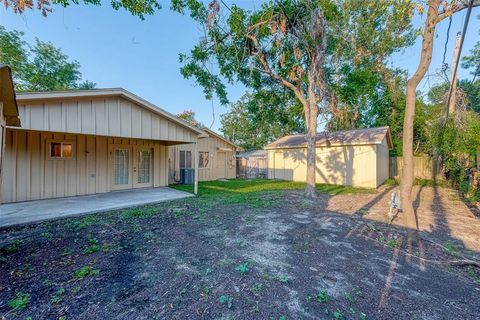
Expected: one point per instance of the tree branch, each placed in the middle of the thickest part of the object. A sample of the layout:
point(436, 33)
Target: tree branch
point(263, 61)
point(456, 7)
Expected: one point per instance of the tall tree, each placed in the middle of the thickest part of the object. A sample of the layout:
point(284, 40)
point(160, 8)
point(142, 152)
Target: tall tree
point(39, 67)
point(437, 11)
point(298, 45)
point(261, 117)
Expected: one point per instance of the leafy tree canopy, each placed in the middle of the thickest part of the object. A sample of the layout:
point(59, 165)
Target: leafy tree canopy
point(40, 67)
point(139, 8)
point(261, 117)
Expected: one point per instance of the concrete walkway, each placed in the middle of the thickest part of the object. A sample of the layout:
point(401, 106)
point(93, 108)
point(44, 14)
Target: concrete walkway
point(39, 210)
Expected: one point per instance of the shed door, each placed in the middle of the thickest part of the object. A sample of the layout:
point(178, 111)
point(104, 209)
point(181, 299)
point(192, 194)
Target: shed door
point(221, 165)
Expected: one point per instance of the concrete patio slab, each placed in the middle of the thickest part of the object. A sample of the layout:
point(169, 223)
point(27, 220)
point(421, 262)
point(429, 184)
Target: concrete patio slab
point(39, 210)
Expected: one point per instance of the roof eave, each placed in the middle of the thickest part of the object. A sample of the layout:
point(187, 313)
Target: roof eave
point(7, 97)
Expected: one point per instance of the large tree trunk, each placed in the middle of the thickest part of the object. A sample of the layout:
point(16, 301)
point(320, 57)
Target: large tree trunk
point(407, 178)
point(311, 117)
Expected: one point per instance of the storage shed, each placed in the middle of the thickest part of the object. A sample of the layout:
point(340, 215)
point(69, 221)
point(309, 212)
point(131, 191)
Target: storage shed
point(352, 157)
point(81, 142)
point(216, 158)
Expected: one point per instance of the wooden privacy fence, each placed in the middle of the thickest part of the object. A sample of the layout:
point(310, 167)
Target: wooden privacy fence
point(423, 168)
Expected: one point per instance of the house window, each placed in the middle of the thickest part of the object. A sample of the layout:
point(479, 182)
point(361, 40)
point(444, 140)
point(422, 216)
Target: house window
point(61, 150)
point(185, 159)
point(203, 159)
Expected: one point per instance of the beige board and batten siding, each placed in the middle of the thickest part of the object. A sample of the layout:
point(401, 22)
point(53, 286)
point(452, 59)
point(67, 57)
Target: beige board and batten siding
point(355, 161)
point(217, 148)
point(33, 175)
point(95, 122)
point(104, 116)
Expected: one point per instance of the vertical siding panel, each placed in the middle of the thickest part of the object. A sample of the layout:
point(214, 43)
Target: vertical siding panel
point(155, 127)
point(36, 117)
point(114, 117)
point(101, 120)
point(36, 164)
point(21, 165)
point(146, 124)
point(101, 164)
point(72, 116)
point(125, 118)
point(49, 172)
point(54, 116)
point(163, 129)
point(81, 163)
point(8, 176)
point(87, 115)
point(91, 164)
point(136, 121)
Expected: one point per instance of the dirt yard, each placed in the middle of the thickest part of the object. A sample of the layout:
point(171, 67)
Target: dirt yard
point(250, 250)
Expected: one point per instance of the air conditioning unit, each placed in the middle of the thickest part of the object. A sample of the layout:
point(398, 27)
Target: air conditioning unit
point(187, 175)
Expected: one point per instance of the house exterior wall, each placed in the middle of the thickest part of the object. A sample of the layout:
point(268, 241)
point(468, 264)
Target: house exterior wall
point(2, 138)
point(210, 145)
point(354, 165)
point(103, 116)
point(30, 174)
point(383, 162)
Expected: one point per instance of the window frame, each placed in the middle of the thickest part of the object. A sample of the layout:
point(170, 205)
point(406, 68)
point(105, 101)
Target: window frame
point(208, 157)
point(48, 150)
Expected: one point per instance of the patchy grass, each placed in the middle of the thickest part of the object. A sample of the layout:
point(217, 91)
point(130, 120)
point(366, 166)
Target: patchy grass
point(245, 186)
point(241, 250)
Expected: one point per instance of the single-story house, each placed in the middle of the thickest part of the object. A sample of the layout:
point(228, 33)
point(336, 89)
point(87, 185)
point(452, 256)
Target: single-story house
point(252, 164)
point(8, 109)
point(216, 158)
point(352, 157)
point(81, 142)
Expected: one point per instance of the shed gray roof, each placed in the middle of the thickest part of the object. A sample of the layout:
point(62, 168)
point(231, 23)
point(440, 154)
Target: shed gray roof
point(338, 138)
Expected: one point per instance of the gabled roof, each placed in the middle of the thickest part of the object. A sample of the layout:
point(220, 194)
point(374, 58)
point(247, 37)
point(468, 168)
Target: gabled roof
point(7, 97)
point(110, 92)
point(213, 133)
point(338, 138)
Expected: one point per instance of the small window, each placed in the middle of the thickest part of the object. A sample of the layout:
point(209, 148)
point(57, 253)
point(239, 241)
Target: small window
point(203, 159)
point(185, 159)
point(59, 150)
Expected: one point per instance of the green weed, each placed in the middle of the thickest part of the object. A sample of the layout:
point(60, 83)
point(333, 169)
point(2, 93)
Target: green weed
point(256, 288)
point(226, 300)
point(85, 272)
point(58, 296)
point(322, 296)
point(452, 249)
point(393, 243)
point(338, 315)
point(283, 279)
point(243, 268)
point(13, 247)
point(20, 302)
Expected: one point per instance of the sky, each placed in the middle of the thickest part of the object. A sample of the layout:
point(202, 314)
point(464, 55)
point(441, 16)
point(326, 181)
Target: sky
point(116, 49)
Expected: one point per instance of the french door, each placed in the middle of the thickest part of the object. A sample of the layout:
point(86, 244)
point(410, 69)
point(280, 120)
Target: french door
point(132, 167)
point(143, 168)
